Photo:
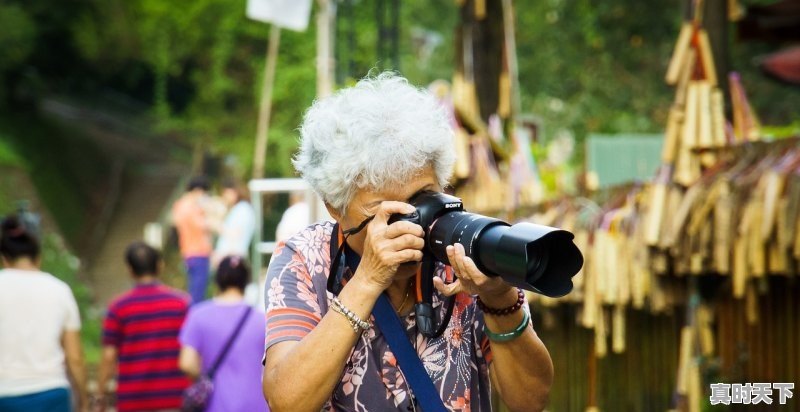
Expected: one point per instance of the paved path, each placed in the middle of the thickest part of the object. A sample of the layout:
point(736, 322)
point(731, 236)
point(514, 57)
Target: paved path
point(146, 191)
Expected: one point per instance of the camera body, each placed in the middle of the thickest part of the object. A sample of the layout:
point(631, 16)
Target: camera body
point(538, 258)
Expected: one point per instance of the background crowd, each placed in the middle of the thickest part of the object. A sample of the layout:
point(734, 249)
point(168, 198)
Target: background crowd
point(156, 339)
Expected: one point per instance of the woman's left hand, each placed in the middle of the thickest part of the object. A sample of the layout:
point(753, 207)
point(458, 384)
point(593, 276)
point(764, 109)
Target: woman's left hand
point(470, 279)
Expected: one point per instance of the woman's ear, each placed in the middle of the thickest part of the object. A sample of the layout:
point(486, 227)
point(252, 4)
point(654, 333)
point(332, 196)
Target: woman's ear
point(333, 212)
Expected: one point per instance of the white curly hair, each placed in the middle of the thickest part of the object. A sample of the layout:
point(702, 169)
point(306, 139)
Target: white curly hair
point(378, 133)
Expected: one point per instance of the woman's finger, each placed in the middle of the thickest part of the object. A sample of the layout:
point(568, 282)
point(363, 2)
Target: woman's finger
point(458, 253)
point(407, 255)
point(448, 289)
point(403, 227)
point(407, 241)
point(388, 208)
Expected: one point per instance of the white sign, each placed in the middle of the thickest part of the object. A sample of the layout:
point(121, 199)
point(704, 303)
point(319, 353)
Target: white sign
point(288, 14)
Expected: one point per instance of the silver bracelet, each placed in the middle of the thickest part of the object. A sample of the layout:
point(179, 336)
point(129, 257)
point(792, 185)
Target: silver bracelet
point(356, 322)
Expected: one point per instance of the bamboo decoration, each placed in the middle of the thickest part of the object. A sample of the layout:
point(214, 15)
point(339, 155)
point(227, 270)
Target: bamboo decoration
point(723, 210)
point(718, 118)
point(678, 59)
point(495, 170)
point(504, 98)
point(705, 137)
point(690, 125)
point(480, 9)
point(740, 219)
point(618, 330)
point(716, 206)
point(462, 166)
point(685, 359)
point(705, 318)
point(687, 72)
point(745, 123)
point(704, 47)
point(672, 135)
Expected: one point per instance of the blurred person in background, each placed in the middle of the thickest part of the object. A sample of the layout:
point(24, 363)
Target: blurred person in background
point(238, 227)
point(40, 345)
point(294, 219)
point(140, 339)
point(194, 235)
point(208, 328)
point(367, 150)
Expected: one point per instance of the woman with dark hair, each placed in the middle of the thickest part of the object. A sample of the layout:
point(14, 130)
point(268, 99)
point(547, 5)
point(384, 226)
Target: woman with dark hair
point(204, 339)
point(40, 346)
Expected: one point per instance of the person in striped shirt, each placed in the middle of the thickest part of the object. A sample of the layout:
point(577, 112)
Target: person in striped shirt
point(140, 339)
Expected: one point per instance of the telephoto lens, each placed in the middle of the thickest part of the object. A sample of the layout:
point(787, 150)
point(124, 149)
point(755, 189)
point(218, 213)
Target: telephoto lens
point(538, 258)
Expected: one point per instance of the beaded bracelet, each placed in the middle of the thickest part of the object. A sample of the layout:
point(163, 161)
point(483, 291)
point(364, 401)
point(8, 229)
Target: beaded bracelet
point(505, 337)
point(504, 311)
point(357, 323)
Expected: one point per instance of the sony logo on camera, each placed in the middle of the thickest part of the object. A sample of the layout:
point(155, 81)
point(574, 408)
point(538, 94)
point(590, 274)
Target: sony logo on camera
point(452, 205)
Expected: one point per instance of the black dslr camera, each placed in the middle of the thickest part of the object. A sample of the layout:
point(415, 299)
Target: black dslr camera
point(538, 258)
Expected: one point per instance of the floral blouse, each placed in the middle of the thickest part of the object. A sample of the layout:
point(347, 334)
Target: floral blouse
point(457, 361)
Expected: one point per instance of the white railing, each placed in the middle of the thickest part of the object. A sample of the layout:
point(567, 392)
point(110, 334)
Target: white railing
point(261, 247)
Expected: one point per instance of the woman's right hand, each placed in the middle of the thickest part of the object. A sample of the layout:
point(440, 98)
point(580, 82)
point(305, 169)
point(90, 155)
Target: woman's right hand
point(387, 246)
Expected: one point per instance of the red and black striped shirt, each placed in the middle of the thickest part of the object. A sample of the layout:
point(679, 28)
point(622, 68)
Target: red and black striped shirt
point(143, 324)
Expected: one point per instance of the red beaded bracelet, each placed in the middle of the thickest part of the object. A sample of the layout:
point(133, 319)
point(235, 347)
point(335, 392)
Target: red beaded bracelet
point(504, 311)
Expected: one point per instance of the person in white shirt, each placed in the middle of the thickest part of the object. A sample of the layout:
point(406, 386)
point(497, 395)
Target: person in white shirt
point(40, 347)
point(295, 218)
point(238, 227)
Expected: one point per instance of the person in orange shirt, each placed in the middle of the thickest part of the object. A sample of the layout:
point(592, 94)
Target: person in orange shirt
point(194, 235)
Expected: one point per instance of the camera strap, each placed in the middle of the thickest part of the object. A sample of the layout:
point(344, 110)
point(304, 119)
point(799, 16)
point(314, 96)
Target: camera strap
point(393, 331)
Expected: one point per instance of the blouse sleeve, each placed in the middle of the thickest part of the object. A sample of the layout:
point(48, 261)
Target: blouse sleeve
point(292, 309)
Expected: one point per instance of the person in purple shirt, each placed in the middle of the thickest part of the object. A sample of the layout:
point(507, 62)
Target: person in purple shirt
point(237, 381)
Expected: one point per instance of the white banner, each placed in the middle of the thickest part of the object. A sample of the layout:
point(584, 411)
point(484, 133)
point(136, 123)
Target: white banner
point(288, 14)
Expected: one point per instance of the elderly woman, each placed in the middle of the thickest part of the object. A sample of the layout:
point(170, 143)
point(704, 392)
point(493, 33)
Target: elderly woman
point(366, 151)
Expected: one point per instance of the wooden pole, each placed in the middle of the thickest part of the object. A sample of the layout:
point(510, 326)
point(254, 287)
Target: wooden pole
point(716, 24)
point(325, 42)
point(509, 23)
point(265, 108)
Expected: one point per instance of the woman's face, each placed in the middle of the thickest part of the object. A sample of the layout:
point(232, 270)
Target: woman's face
point(365, 203)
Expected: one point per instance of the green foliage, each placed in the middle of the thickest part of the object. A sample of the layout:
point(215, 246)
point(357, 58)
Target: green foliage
point(596, 66)
point(55, 159)
point(16, 37)
point(8, 157)
point(197, 65)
